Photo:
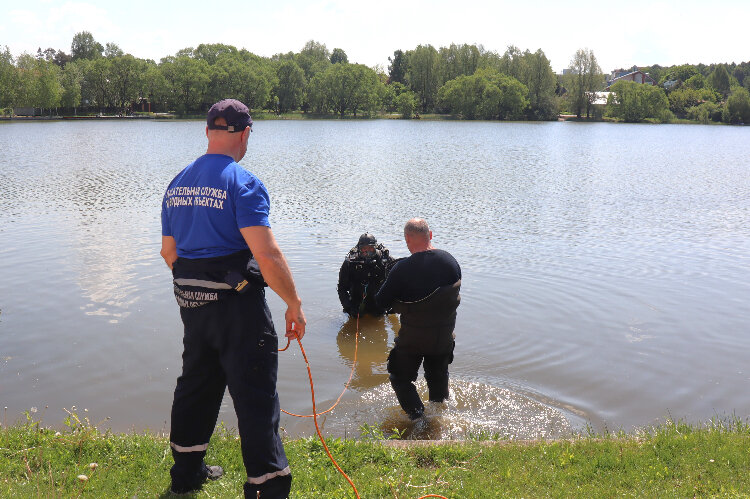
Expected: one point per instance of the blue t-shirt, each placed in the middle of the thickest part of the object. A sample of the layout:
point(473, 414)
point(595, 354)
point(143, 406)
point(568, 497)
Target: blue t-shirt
point(208, 202)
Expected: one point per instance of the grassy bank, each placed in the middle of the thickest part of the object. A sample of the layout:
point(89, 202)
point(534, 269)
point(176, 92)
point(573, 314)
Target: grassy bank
point(674, 460)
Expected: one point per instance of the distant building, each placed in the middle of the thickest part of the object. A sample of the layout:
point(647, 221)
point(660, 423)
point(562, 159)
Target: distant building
point(570, 71)
point(617, 73)
point(634, 74)
point(600, 98)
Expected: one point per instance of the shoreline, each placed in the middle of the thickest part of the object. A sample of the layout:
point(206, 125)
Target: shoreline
point(262, 116)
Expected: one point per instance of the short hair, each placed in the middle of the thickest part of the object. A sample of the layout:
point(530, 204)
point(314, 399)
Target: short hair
point(417, 227)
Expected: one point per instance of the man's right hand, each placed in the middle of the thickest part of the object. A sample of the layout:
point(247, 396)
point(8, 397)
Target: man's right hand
point(295, 322)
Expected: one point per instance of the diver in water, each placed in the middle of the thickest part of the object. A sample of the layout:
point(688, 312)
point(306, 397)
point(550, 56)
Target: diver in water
point(363, 272)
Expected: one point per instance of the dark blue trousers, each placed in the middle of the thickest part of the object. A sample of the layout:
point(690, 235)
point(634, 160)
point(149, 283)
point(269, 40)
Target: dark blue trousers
point(229, 343)
point(403, 369)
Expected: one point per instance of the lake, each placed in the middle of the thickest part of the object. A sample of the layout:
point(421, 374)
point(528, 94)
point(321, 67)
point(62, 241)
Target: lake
point(606, 269)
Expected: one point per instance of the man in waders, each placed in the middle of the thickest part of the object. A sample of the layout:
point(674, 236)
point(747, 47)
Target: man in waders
point(217, 240)
point(424, 289)
point(361, 275)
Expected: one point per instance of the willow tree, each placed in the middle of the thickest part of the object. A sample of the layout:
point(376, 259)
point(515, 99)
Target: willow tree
point(586, 79)
point(423, 74)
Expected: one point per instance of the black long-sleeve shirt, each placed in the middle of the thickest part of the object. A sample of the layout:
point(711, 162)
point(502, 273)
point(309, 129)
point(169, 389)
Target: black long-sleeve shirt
point(417, 276)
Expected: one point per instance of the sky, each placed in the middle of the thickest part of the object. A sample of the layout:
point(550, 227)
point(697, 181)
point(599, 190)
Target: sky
point(621, 34)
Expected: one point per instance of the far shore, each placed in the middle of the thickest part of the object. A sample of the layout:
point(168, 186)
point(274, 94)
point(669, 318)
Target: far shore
point(265, 115)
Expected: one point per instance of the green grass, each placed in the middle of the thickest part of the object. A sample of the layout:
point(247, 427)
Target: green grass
point(673, 460)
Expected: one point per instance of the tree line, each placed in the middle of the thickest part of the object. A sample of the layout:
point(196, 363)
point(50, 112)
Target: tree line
point(463, 80)
point(314, 80)
point(717, 93)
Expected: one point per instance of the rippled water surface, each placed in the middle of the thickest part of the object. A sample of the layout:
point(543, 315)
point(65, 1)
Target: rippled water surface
point(606, 269)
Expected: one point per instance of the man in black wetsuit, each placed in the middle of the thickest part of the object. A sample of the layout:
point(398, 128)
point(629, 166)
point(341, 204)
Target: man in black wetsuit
point(363, 272)
point(424, 289)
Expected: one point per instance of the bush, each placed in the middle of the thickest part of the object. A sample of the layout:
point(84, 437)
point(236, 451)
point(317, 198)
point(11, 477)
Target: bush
point(636, 102)
point(406, 102)
point(737, 109)
point(704, 112)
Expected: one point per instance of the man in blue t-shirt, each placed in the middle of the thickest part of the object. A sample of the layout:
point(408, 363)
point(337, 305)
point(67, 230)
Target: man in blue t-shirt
point(217, 240)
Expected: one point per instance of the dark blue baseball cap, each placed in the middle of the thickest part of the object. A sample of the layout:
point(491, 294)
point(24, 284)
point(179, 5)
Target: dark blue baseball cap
point(236, 114)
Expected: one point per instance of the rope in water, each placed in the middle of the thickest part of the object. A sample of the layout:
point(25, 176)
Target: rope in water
point(315, 414)
point(346, 385)
point(320, 434)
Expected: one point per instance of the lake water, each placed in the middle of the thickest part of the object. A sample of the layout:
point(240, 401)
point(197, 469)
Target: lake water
point(606, 269)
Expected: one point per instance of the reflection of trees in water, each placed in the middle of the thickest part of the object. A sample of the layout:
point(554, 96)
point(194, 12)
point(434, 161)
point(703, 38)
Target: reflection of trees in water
point(372, 351)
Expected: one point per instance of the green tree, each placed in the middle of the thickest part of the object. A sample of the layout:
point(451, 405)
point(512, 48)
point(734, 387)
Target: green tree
point(112, 50)
point(390, 92)
point(586, 79)
point(397, 67)
point(406, 103)
point(345, 88)
point(636, 102)
point(38, 83)
point(720, 80)
point(739, 75)
point(72, 79)
point(541, 81)
point(695, 82)
point(125, 80)
point(26, 90)
point(738, 106)
point(239, 76)
point(47, 54)
point(462, 95)
point(211, 52)
point(457, 60)
point(49, 89)
point(8, 79)
point(290, 87)
point(338, 56)
point(155, 87)
point(512, 62)
point(423, 74)
point(96, 88)
point(680, 73)
point(704, 112)
point(508, 101)
point(682, 99)
point(189, 79)
point(655, 71)
point(313, 58)
point(85, 47)
point(486, 94)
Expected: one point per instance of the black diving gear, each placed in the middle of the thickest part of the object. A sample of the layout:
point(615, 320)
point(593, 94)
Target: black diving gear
point(362, 273)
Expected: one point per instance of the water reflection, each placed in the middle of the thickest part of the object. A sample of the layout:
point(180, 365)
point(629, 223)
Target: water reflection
point(371, 346)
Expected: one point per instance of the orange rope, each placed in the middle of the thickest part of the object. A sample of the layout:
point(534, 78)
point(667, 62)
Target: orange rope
point(346, 385)
point(315, 414)
point(317, 428)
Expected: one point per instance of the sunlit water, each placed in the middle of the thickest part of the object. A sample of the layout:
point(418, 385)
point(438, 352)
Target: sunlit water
point(606, 269)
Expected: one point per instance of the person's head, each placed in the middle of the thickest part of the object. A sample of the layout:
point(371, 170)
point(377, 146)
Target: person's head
point(366, 245)
point(228, 126)
point(418, 235)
